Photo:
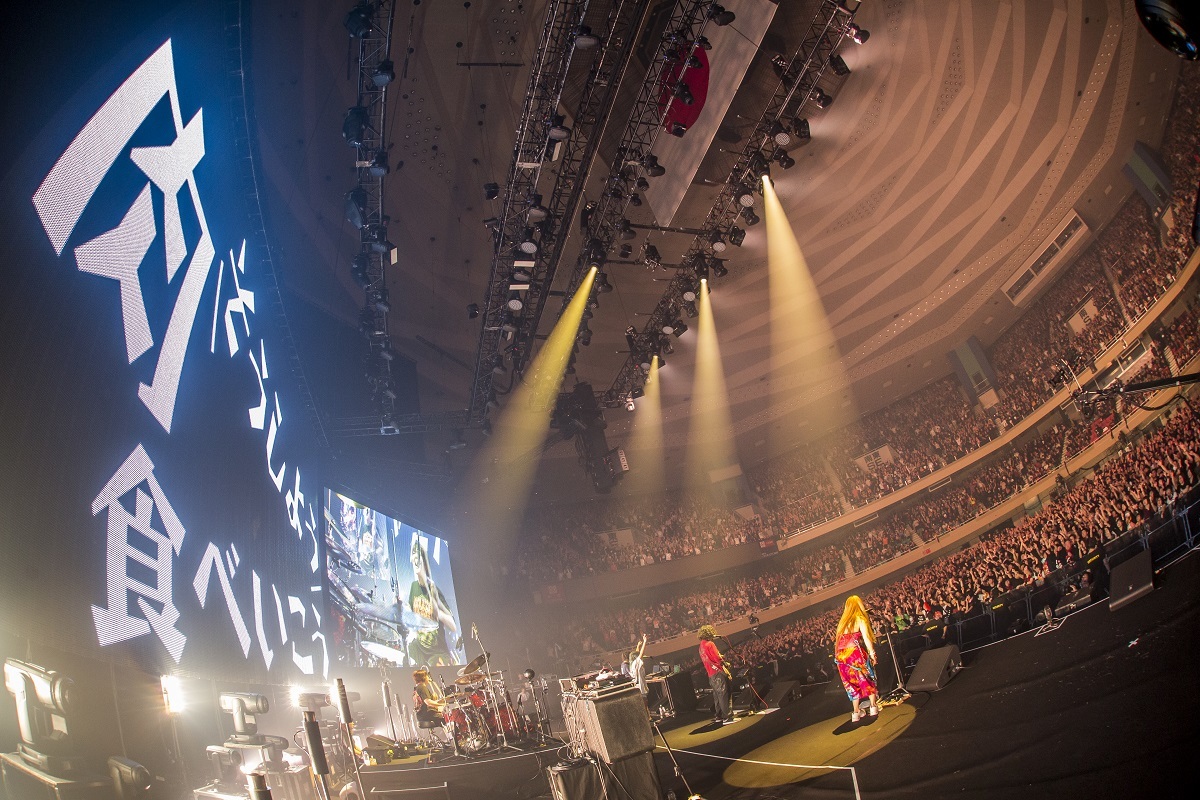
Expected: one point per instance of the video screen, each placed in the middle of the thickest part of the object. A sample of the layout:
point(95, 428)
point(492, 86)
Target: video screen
point(391, 592)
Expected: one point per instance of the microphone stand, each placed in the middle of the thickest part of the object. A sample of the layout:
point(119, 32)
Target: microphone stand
point(671, 754)
point(899, 694)
point(493, 702)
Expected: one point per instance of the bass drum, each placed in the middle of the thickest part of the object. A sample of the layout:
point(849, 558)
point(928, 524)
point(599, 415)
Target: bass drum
point(470, 729)
point(506, 721)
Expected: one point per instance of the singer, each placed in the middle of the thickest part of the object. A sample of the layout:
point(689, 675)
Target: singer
point(854, 652)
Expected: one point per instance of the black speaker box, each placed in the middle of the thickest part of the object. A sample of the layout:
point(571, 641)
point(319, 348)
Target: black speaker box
point(683, 692)
point(633, 778)
point(575, 780)
point(745, 700)
point(616, 725)
point(1130, 580)
point(934, 669)
point(782, 693)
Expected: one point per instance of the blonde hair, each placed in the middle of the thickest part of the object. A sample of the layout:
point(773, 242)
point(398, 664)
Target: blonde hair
point(854, 618)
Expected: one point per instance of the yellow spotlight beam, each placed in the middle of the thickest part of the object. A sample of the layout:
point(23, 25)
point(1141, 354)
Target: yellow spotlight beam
point(646, 444)
point(710, 434)
point(502, 476)
point(802, 341)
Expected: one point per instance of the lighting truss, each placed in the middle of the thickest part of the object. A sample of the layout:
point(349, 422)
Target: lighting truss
point(373, 49)
point(804, 69)
point(548, 73)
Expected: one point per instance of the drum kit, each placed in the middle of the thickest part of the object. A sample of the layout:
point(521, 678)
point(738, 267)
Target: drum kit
point(479, 714)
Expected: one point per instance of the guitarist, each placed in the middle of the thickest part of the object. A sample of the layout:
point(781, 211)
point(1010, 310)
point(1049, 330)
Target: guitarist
point(718, 674)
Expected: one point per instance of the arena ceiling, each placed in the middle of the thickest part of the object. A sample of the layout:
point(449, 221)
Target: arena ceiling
point(964, 133)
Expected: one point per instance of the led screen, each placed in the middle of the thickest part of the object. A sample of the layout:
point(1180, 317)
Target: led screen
point(158, 502)
point(391, 592)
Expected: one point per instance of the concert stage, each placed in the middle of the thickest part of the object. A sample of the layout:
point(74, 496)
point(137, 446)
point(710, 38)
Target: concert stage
point(1103, 706)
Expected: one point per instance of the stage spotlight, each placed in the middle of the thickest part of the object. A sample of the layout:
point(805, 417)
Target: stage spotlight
point(472, 310)
point(683, 94)
point(528, 245)
point(498, 367)
point(744, 196)
point(720, 16)
point(642, 184)
point(759, 166)
point(354, 126)
point(537, 212)
point(602, 284)
point(378, 166)
point(358, 20)
point(859, 35)
point(678, 328)
point(388, 426)
point(585, 39)
point(819, 97)
point(635, 199)
point(784, 160)
point(514, 302)
point(244, 706)
point(780, 134)
point(629, 405)
point(1172, 26)
point(380, 301)
point(625, 251)
point(652, 167)
point(718, 267)
point(385, 73)
point(736, 236)
point(376, 236)
point(651, 256)
point(717, 241)
point(703, 43)
point(387, 354)
point(625, 230)
point(839, 66)
point(172, 692)
point(700, 267)
point(801, 130)
point(356, 207)
point(558, 131)
point(491, 190)
point(749, 216)
point(694, 62)
point(677, 129)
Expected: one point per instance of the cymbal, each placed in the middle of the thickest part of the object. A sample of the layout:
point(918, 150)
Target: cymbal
point(476, 664)
point(471, 677)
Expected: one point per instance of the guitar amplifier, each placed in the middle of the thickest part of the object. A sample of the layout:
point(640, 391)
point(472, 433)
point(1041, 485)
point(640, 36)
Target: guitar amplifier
point(614, 724)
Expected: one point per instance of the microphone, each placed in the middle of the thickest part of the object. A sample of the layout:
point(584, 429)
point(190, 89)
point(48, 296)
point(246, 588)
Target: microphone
point(474, 632)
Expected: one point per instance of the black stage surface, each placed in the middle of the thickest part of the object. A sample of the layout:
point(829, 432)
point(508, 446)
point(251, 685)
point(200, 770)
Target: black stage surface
point(1103, 706)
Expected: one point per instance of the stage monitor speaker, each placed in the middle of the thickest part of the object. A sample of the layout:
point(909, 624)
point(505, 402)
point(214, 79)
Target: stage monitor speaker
point(782, 693)
point(683, 692)
point(745, 700)
point(575, 780)
point(1130, 580)
point(934, 669)
point(633, 778)
point(616, 725)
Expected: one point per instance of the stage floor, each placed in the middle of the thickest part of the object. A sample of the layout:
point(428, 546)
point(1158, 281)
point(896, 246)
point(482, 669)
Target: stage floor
point(1103, 706)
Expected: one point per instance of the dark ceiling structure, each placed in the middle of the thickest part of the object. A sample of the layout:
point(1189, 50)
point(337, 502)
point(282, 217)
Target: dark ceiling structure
point(506, 146)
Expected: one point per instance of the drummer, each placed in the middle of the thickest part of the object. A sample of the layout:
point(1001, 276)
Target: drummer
point(434, 645)
point(429, 703)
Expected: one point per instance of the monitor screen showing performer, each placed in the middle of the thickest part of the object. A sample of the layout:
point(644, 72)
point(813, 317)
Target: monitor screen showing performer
point(391, 591)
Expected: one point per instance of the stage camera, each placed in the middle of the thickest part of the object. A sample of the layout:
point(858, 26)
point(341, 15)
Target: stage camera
point(43, 702)
point(243, 706)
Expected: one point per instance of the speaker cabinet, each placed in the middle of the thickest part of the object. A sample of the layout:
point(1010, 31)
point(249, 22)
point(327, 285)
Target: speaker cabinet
point(617, 725)
point(782, 693)
point(934, 669)
point(575, 780)
point(1130, 580)
point(633, 778)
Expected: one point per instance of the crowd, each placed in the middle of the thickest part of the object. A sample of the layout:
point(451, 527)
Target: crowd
point(1087, 308)
point(1132, 488)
